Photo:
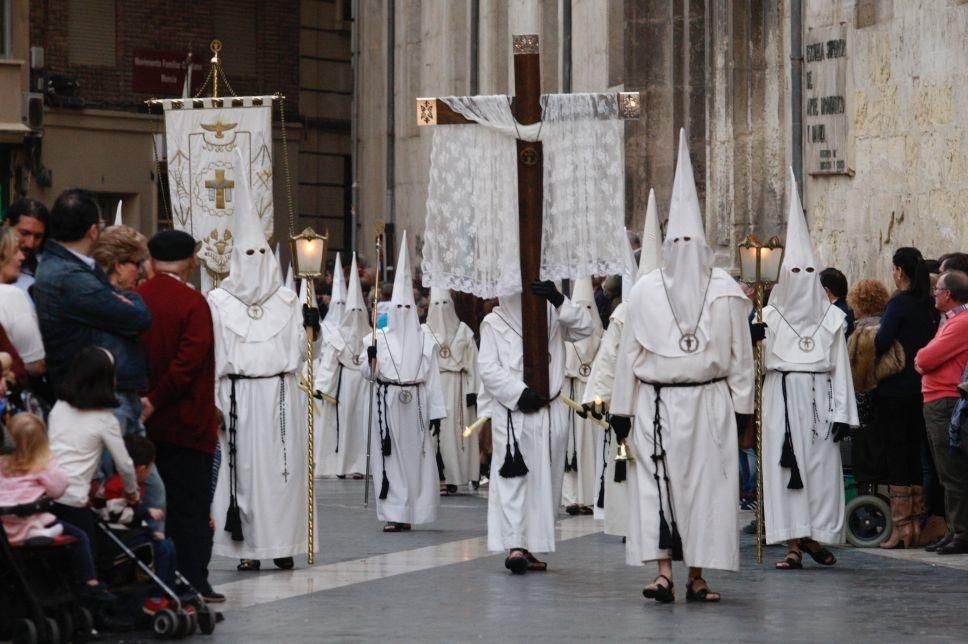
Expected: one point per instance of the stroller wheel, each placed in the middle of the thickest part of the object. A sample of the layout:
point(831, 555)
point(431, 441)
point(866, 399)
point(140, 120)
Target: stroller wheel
point(23, 632)
point(66, 624)
point(868, 521)
point(184, 626)
point(83, 625)
point(164, 623)
point(206, 620)
point(53, 631)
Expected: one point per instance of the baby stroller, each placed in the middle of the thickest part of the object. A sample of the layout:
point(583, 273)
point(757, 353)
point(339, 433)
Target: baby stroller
point(36, 593)
point(131, 574)
point(867, 517)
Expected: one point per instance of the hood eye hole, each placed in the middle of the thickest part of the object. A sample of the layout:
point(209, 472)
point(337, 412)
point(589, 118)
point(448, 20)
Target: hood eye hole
point(687, 239)
point(795, 270)
point(250, 251)
point(810, 269)
point(675, 240)
point(262, 250)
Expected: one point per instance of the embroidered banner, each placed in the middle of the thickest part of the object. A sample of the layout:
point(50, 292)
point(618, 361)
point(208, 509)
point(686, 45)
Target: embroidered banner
point(202, 136)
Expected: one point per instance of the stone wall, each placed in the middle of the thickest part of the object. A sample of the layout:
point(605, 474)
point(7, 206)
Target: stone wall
point(907, 106)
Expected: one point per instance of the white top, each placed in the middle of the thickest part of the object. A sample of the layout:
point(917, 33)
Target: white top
point(77, 440)
point(19, 320)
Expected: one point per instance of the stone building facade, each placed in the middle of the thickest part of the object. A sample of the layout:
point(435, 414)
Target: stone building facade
point(721, 69)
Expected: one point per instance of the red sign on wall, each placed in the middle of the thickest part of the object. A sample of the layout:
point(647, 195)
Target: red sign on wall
point(162, 73)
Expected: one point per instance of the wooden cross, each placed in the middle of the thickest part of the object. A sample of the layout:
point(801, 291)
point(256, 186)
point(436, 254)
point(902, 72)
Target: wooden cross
point(220, 185)
point(526, 108)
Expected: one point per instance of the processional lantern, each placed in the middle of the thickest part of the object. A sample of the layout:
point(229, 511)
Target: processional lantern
point(759, 266)
point(308, 254)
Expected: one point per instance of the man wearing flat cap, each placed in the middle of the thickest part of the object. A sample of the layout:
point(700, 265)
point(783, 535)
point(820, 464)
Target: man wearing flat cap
point(179, 408)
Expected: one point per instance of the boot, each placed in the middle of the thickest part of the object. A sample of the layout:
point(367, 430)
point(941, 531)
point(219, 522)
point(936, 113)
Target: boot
point(903, 534)
point(928, 528)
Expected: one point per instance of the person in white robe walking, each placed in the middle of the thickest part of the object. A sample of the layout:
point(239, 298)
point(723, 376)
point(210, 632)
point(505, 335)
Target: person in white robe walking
point(808, 404)
point(585, 448)
point(407, 409)
point(260, 500)
point(460, 458)
point(598, 392)
point(684, 368)
point(528, 432)
point(341, 448)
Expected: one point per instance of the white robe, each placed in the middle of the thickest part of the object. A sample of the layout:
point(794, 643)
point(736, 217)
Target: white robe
point(521, 510)
point(698, 428)
point(600, 384)
point(271, 468)
point(585, 440)
point(341, 429)
point(817, 510)
point(411, 467)
point(458, 377)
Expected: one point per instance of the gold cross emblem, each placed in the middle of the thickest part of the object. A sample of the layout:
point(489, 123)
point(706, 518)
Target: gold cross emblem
point(217, 188)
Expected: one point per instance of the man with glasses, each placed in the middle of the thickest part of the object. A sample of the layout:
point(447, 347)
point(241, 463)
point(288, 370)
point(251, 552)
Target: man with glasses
point(941, 364)
point(77, 305)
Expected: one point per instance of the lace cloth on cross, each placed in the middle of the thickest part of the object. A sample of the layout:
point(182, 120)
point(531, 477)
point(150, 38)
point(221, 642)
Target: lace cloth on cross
point(471, 236)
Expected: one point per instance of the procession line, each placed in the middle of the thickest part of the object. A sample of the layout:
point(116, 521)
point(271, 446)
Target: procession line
point(263, 589)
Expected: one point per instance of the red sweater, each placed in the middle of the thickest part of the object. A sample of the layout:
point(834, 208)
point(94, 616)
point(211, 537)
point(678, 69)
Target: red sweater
point(942, 361)
point(181, 361)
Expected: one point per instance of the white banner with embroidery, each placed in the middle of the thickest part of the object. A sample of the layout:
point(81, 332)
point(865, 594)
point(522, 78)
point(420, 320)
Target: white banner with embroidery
point(201, 138)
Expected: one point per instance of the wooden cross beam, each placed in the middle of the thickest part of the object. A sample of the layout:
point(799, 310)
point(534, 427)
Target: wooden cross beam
point(526, 108)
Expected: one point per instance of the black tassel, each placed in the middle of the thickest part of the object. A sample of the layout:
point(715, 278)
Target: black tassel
point(796, 483)
point(508, 466)
point(386, 444)
point(384, 487)
point(676, 544)
point(665, 535)
point(440, 466)
point(520, 468)
point(574, 462)
point(620, 471)
point(601, 496)
point(233, 521)
point(787, 457)
point(515, 466)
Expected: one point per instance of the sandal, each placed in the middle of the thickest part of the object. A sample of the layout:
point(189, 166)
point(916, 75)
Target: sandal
point(535, 564)
point(660, 592)
point(392, 527)
point(703, 595)
point(792, 561)
point(249, 564)
point(284, 563)
point(818, 553)
point(517, 562)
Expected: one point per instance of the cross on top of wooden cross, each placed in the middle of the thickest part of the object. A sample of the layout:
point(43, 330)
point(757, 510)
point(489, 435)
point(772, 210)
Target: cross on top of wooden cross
point(526, 108)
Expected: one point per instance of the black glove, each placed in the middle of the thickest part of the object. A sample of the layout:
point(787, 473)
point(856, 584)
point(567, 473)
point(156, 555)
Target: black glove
point(840, 431)
point(758, 331)
point(311, 319)
point(622, 426)
point(589, 408)
point(741, 421)
point(371, 353)
point(471, 400)
point(548, 291)
point(435, 427)
point(531, 401)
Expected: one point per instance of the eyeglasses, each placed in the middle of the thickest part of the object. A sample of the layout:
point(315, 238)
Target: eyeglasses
point(939, 289)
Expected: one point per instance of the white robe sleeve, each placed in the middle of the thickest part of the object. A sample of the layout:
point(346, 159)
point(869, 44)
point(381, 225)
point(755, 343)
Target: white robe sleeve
point(327, 369)
point(470, 362)
point(741, 369)
point(114, 443)
point(845, 404)
point(436, 406)
point(625, 391)
point(502, 385)
point(602, 377)
point(575, 321)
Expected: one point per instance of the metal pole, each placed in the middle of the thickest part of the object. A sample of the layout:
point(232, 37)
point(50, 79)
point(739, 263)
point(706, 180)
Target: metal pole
point(391, 115)
point(354, 125)
point(796, 93)
point(758, 415)
point(310, 421)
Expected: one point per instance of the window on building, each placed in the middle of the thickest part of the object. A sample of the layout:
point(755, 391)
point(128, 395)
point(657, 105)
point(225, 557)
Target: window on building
point(6, 36)
point(91, 32)
point(235, 26)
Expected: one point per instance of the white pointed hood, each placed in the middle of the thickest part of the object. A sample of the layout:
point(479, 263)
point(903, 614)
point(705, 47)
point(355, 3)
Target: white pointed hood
point(798, 294)
point(118, 221)
point(290, 282)
point(650, 255)
point(583, 351)
point(403, 335)
point(354, 325)
point(441, 316)
point(687, 258)
point(630, 272)
point(337, 300)
point(254, 274)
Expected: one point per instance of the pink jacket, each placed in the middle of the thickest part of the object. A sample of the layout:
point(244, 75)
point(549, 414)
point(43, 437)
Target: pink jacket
point(942, 361)
point(27, 488)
